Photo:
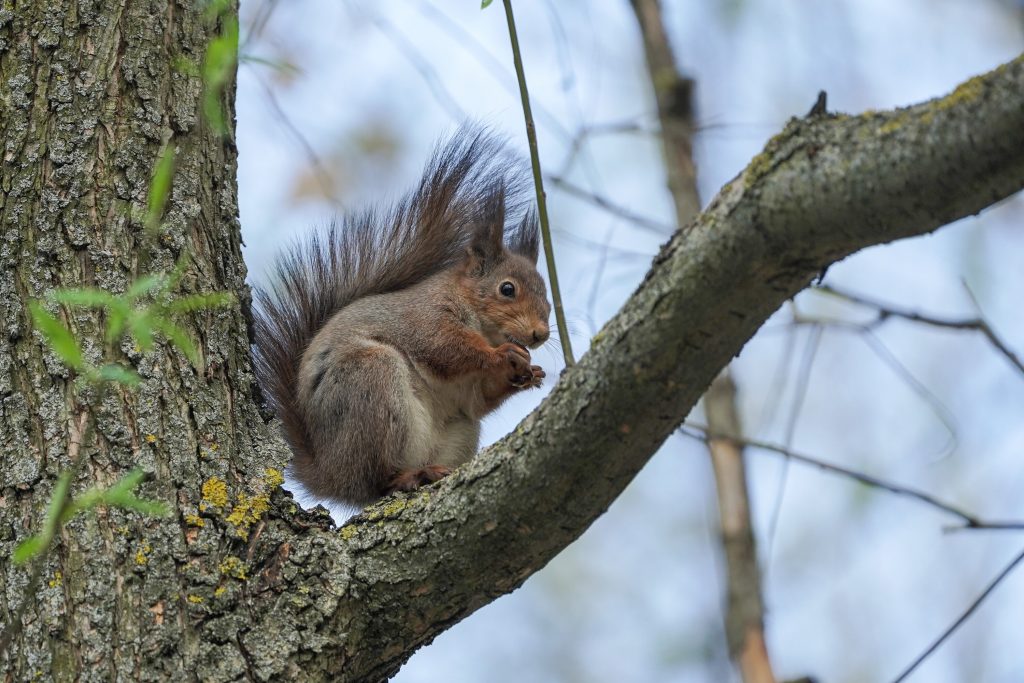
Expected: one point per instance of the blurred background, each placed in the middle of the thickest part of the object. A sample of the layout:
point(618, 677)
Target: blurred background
point(340, 103)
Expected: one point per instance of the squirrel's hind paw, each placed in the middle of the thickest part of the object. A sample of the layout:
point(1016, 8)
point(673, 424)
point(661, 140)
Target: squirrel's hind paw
point(411, 480)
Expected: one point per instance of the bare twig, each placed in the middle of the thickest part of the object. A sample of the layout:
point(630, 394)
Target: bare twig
point(322, 175)
point(466, 40)
point(802, 383)
point(661, 229)
point(970, 520)
point(542, 209)
point(884, 354)
point(963, 617)
point(888, 311)
point(427, 72)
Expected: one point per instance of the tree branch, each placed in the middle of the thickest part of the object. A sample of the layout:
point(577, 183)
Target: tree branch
point(409, 567)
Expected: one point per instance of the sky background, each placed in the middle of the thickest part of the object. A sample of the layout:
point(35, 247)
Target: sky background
point(340, 103)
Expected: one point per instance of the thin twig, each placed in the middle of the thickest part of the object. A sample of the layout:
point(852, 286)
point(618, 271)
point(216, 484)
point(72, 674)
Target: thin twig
point(468, 41)
point(963, 617)
point(887, 311)
point(427, 72)
point(660, 229)
point(970, 520)
point(542, 209)
point(884, 354)
point(802, 383)
point(322, 175)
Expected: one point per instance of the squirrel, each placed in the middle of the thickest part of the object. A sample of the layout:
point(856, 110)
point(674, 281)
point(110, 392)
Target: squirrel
point(382, 342)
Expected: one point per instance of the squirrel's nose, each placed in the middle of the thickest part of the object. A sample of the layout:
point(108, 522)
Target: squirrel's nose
point(541, 333)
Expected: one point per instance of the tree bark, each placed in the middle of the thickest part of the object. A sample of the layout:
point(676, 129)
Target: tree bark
point(241, 584)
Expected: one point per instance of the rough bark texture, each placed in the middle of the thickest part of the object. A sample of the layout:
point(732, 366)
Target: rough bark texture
point(238, 583)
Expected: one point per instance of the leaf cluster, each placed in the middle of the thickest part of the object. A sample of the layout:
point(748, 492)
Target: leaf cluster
point(126, 314)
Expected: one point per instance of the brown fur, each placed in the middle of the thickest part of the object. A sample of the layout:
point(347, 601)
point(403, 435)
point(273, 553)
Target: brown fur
point(384, 342)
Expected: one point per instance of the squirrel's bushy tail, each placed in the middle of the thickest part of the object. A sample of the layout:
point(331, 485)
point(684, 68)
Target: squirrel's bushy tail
point(470, 180)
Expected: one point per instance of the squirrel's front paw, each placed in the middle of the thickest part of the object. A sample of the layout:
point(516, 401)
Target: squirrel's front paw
point(516, 362)
point(536, 378)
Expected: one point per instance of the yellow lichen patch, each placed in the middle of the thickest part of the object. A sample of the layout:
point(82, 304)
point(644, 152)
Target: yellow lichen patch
point(150, 438)
point(965, 92)
point(234, 567)
point(215, 492)
point(394, 507)
point(195, 599)
point(893, 124)
point(194, 520)
point(142, 554)
point(219, 591)
point(348, 532)
point(247, 511)
point(273, 478)
point(57, 580)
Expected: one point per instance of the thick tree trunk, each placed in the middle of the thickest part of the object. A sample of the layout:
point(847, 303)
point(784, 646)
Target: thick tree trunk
point(238, 583)
point(90, 91)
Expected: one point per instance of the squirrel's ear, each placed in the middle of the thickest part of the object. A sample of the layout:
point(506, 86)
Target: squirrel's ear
point(485, 249)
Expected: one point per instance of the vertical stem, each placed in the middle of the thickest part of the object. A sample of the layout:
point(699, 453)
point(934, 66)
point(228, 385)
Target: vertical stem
point(542, 209)
point(744, 617)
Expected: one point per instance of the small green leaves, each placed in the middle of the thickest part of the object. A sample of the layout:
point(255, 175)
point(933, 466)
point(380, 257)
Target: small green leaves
point(125, 314)
point(38, 543)
point(112, 372)
point(57, 336)
point(178, 337)
point(218, 67)
point(195, 302)
point(121, 495)
point(28, 549)
point(160, 188)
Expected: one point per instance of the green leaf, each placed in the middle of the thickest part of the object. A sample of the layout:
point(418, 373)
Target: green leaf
point(160, 188)
point(179, 338)
point(112, 372)
point(150, 508)
point(121, 495)
point(485, 4)
point(218, 66)
point(144, 285)
point(88, 297)
point(141, 326)
point(116, 319)
point(215, 8)
point(59, 337)
point(196, 302)
point(179, 270)
point(28, 549)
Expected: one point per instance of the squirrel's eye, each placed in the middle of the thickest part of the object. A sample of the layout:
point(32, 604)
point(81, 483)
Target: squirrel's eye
point(507, 289)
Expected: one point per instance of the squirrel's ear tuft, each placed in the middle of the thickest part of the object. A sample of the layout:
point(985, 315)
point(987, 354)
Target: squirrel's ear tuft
point(485, 249)
point(525, 238)
point(486, 244)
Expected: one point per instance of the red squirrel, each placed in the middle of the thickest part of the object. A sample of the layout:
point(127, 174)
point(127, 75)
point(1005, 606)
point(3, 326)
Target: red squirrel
point(384, 340)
